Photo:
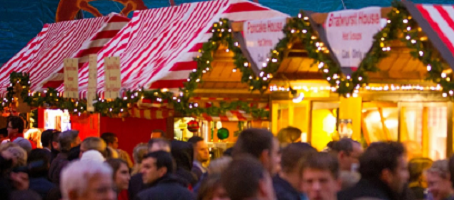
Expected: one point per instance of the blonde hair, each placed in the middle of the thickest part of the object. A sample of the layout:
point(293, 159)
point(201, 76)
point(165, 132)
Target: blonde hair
point(35, 136)
point(19, 154)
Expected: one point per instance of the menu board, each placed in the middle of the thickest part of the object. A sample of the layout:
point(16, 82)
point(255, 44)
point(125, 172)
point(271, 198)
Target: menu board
point(112, 77)
point(71, 81)
point(92, 82)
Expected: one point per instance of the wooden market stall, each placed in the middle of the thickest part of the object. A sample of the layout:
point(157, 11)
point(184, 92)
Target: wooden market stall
point(156, 63)
point(406, 99)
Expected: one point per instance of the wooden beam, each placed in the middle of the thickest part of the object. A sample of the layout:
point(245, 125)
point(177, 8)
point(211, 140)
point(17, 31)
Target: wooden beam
point(379, 104)
point(364, 128)
point(388, 74)
point(385, 129)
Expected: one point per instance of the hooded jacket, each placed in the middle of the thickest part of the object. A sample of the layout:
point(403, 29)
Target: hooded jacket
point(183, 154)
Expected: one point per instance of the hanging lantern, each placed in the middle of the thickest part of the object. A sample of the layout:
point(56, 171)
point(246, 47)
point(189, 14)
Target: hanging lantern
point(193, 126)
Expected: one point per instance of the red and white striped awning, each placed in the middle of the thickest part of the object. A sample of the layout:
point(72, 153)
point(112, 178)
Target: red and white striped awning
point(437, 21)
point(157, 47)
point(43, 56)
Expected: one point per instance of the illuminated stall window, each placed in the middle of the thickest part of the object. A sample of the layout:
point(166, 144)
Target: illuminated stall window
point(380, 122)
point(324, 123)
point(424, 129)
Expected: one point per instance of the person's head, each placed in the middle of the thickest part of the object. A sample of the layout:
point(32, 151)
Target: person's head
point(55, 140)
point(320, 174)
point(24, 144)
point(47, 138)
point(348, 152)
point(40, 159)
point(291, 156)
point(139, 152)
point(121, 174)
point(87, 180)
point(157, 133)
point(246, 178)
point(288, 135)
point(386, 162)
point(156, 165)
point(158, 144)
point(68, 140)
point(211, 189)
point(16, 126)
point(416, 167)
point(261, 144)
point(201, 152)
point(18, 154)
point(92, 155)
point(438, 180)
point(93, 143)
point(219, 165)
point(111, 139)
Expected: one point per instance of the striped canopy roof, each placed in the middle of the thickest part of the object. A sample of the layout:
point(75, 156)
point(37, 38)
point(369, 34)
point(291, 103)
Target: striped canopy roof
point(157, 47)
point(43, 56)
point(437, 21)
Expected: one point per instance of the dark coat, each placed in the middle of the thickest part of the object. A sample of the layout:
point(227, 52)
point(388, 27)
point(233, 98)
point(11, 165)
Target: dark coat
point(284, 191)
point(183, 154)
point(197, 171)
point(56, 167)
point(368, 189)
point(41, 185)
point(136, 185)
point(167, 188)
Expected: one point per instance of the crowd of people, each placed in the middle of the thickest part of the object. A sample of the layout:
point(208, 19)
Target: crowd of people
point(258, 167)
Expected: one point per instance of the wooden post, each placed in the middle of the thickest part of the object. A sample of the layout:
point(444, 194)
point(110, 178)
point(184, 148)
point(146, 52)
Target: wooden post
point(403, 127)
point(291, 113)
point(309, 128)
point(425, 132)
point(274, 117)
point(449, 137)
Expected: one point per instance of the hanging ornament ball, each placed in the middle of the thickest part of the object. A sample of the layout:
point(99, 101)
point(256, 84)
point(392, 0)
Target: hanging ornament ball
point(223, 133)
point(193, 126)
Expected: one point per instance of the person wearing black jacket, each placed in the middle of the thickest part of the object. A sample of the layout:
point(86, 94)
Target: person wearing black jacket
point(183, 153)
point(384, 173)
point(287, 183)
point(158, 174)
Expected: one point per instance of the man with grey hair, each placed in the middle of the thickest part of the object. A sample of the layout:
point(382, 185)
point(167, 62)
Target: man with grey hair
point(66, 140)
point(87, 180)
point(93, 143)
